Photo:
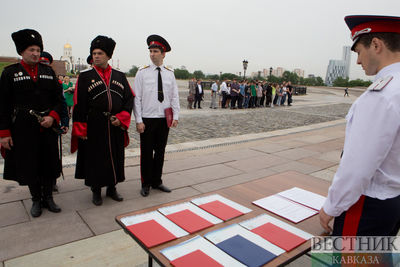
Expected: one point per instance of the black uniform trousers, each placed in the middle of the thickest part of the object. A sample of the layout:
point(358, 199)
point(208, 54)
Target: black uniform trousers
point(152, 149)
point(369, 217)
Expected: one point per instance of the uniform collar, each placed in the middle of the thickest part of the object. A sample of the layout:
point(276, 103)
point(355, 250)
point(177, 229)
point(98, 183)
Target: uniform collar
point(154, 67)
point(32, 70)
point(395, 67)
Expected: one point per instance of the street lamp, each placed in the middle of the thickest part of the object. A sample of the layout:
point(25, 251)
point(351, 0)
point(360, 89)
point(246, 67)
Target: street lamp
point(245, 63)
point(270, 72)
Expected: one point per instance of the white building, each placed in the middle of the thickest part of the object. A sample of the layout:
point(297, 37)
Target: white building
point(278, 72)
point(346, 58)
point(68, 58)
point(338, 68)
point(299, 72)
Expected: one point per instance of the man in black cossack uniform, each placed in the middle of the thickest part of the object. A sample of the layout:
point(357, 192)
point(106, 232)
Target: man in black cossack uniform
point(101, 118)
point(31, 102)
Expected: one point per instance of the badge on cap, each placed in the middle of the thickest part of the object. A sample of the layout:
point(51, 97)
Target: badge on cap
point(358, 33)
point(16, 74)
point(20, 73)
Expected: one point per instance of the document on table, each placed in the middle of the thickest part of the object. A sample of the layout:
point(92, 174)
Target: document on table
point(245, 246)
point(220, 207)
point(276, 231)
point(198, 249)
point(304, 197)
point(152, 228)
point(190, 217)
point(285, 208)
point(232, 230)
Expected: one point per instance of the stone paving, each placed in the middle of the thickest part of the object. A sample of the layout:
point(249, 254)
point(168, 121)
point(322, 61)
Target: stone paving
point(86, 235)
point(243, 150)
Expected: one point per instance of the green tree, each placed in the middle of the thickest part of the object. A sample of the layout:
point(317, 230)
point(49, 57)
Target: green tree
point(212, 77)
point(274, 79)
point(229, 76)
point(290, 77)
point(182, 74)
point(319, 81)
point(132, 72)
point(341, 82)
point(198, 74)
point(312, 81)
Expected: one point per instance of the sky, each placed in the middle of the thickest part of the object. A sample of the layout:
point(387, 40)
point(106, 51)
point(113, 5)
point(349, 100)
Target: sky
point(209, 35)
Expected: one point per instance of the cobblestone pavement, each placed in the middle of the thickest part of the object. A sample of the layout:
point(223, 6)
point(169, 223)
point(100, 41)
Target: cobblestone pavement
point(320, 105)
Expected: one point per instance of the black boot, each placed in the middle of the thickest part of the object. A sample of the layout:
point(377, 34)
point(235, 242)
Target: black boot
point(49, 203)
point(113, 194)
point(96, 199)
point(36, 193)
point(36, 209)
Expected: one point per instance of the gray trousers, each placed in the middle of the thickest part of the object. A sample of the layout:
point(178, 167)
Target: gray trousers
point(213, 100)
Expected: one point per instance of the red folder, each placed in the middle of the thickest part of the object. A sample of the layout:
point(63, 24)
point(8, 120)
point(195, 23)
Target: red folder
point(169, 116)
point(151, 233)
point(196, 258)
point(189, 221)
point(221, 210)
point(278, 236)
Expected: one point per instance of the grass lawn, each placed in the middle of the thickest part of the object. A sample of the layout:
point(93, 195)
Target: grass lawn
point(3, 65)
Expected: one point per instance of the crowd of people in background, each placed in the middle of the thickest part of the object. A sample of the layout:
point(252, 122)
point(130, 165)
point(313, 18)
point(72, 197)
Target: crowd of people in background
point(241, 94)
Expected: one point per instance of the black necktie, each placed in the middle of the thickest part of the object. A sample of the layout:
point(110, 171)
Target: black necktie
point(160, 91)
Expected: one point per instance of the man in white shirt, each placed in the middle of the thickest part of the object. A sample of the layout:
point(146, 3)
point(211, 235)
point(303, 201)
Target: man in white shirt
point(156, 91)
point(225, 91)
point(364, 197)
point(214, 89)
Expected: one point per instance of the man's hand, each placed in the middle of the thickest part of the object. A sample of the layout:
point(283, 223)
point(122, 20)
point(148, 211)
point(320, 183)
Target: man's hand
point(115, 121)
point(47, 121)
point(64, 129)
point(7, 142)
point(174, 123)
point(324, 220)
point(140, 127)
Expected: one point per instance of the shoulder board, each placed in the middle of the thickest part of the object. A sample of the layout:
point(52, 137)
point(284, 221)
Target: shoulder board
point(10, 66)
point(144, 67)
point(115, 70)
point(380, 83)
point(168, 69)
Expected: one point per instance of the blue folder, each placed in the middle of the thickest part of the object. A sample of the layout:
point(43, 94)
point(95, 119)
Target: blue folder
point(246, 251)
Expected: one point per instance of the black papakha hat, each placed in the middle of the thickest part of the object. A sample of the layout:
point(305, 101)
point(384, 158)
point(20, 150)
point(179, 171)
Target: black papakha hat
point(104, 43)
point(89, 59)
point(46, 57)
point(25, 38)
point(159, 42)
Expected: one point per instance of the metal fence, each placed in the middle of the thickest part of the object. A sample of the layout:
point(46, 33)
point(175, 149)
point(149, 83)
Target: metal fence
point(300, 90)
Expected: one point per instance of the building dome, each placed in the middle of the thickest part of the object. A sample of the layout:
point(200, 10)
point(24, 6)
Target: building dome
point(67, 45)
